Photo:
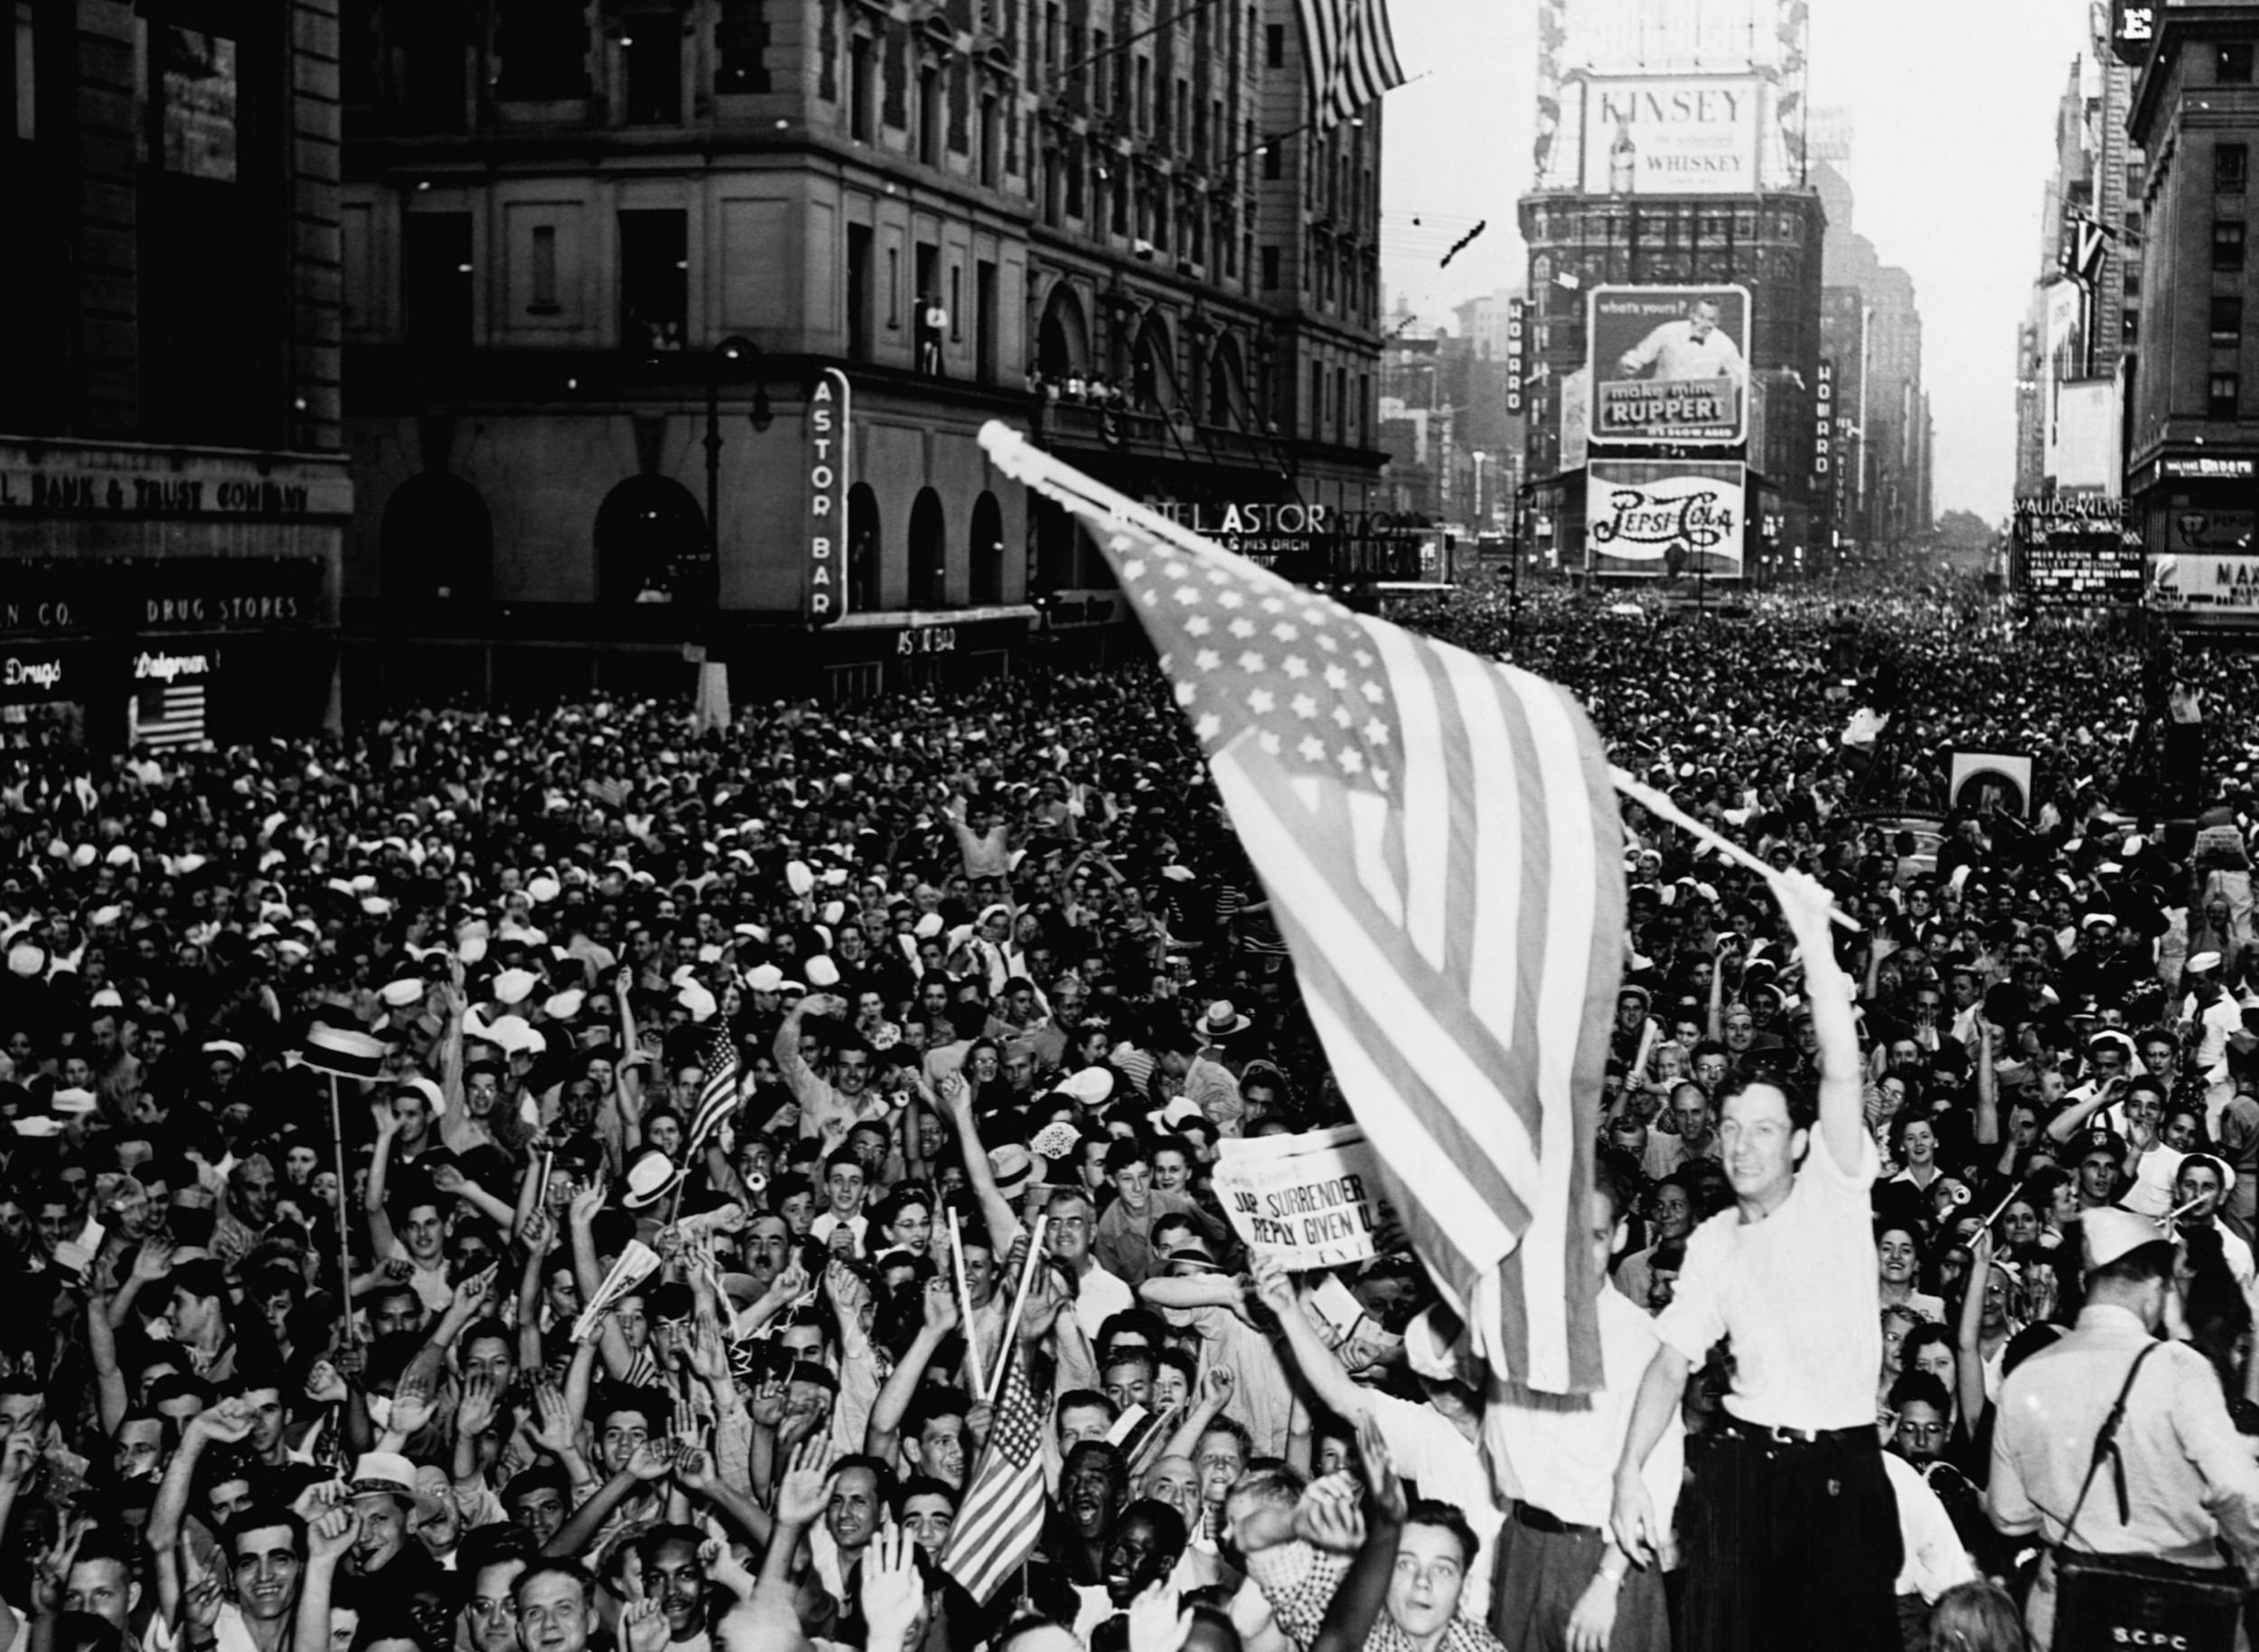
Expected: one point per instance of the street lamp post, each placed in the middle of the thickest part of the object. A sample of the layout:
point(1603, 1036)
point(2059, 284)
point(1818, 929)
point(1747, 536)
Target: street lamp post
point(712, 694)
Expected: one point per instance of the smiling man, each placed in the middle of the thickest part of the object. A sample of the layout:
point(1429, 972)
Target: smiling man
point(267, 1551)
point(1789, 1521)
point(556, 1607)
point(384, 1568)
point(675, 1577)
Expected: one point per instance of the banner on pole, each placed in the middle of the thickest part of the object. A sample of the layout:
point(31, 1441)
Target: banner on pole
point(1310, 1201)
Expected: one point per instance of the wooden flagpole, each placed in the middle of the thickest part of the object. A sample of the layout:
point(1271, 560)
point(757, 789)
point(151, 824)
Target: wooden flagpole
point(1019, 1304)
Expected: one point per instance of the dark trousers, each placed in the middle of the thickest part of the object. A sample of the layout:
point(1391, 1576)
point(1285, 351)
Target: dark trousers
point(1538, 1578)
point(1785, 1541)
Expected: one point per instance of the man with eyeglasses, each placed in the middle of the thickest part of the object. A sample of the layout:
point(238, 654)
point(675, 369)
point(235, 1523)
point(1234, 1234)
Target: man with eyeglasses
point(493, 1557)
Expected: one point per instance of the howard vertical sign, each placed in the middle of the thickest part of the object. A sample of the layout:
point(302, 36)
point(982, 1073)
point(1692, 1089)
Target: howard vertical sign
point(1824, 447)
point(824, 598)
point(1517, 355)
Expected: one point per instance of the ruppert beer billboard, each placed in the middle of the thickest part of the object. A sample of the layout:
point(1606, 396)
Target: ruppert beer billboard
point(1670, 365)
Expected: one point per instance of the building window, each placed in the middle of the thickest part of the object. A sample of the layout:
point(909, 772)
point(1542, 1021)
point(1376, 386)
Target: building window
point(1098, 73)
point(858, 293)
point(654, 280)
point(2235, 63)
point(741, 35)
point(991, 139)
point(25, 82)
point(861, 89)
point(2130, 327)
point(2231, 163)
point(894, 288)
point(2227, 318)
point(2132, 284)
point(436, 280)
point(1271, 268)
point(544, 271)
point(1051, 37)
point(1145, 94)
point(1270, 163)
point(2227, 394)
point(929, 115)
point(1318, 399)
point(984, 321)
point(651, 48)
point(544, 51)
point(1275, 45)
point(2227, 246)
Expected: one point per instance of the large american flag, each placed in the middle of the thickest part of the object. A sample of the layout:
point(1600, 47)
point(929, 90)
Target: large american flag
point(1439, 838)
point(718, 1097)
point(1003, 1511)
point(1348, 57)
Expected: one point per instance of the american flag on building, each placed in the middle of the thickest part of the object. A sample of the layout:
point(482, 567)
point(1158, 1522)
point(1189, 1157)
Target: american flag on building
point(165, 714)
point(1439, 838)
point(1003, 1511)
point(1348, 57)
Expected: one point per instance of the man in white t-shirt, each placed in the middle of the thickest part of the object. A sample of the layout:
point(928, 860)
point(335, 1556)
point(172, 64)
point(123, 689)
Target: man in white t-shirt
point(1789, 1522)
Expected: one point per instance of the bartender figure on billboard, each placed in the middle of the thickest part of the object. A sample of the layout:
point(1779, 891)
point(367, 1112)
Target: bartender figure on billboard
point(1691, 347)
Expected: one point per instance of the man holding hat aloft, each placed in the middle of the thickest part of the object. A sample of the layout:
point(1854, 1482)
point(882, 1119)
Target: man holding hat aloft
point(2177, 1484)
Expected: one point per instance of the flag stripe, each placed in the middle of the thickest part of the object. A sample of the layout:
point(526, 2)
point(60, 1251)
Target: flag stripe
point(1499, 867)
point(1562, 991)
point(1427, 809)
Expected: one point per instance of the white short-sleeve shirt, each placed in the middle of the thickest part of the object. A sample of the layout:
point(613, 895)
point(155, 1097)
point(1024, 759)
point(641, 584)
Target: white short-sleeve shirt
point(1799, 1294)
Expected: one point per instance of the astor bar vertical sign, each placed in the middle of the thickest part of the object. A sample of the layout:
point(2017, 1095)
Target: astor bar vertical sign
point(828, 407)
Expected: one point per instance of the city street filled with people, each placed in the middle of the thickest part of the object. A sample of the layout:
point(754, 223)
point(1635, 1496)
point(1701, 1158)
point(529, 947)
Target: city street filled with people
point(560, 1178)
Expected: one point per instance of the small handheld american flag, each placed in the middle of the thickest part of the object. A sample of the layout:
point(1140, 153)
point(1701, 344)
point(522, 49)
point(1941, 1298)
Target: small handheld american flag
point(718, 1097)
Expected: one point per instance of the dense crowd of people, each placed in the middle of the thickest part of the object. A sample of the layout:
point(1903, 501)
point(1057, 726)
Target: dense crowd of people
point(518, 1183)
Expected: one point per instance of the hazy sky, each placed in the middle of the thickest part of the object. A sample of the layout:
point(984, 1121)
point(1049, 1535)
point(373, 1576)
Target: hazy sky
point(1953, 107)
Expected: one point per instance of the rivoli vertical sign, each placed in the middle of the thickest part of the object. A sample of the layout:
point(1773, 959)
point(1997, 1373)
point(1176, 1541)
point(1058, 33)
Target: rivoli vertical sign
point(829, 406)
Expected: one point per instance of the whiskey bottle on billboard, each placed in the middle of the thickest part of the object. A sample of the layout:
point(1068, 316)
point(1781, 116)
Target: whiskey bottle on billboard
point(1623, 160)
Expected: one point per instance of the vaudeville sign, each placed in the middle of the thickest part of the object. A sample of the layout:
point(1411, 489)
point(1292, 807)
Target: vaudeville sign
point(825, 597)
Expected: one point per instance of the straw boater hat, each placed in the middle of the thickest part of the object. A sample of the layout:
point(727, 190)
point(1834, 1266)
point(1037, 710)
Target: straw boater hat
point(1222, 1021)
